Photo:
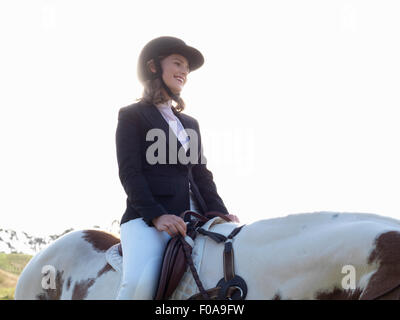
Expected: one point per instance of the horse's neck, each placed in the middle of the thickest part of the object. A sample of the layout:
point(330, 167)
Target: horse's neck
point(303, 252)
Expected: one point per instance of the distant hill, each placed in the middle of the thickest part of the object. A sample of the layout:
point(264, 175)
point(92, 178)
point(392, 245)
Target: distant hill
point(8, 281)
point(11, 266)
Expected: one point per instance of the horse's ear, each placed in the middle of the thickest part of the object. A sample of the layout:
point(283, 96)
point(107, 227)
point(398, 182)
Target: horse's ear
point(386, 280)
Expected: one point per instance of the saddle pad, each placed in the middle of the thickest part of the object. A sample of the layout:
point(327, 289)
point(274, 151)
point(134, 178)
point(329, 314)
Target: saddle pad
point(114, 258)
point(188, 287)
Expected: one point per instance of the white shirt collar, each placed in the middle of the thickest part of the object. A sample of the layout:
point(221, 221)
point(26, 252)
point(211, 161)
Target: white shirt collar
point(165, 105)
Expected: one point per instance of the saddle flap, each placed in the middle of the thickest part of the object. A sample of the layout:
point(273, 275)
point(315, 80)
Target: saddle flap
point(173, 268)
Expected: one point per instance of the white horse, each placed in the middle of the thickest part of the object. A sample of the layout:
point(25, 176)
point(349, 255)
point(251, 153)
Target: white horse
point(322, 255)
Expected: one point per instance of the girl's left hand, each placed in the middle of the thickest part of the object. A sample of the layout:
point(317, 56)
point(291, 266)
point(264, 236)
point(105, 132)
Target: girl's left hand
point(233, 218)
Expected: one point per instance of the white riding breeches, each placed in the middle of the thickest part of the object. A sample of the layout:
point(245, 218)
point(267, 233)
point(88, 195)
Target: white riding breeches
point(143, 250)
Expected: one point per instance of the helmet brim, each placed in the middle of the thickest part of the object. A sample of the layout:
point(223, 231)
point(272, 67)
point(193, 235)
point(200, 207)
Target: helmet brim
point(194, 56)
point(162, 47)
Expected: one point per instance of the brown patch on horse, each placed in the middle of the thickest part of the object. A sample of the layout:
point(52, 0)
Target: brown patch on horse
point(391, 295)
point(105, 269)
point(339, 294)
point(81, 289)
point(53, 294)
point(385, 282)
point(387, 255)
point(100, 240)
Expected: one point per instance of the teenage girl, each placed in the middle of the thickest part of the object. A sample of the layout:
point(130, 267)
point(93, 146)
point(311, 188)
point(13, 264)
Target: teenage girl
point(154, 141)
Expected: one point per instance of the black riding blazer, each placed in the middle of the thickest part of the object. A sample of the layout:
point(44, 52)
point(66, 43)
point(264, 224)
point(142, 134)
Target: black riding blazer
point(156, 189)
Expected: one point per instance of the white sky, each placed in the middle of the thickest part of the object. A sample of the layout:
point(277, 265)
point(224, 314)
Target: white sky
point(297, 103)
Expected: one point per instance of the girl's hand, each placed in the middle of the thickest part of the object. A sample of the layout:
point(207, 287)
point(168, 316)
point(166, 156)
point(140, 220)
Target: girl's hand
point(170, 223)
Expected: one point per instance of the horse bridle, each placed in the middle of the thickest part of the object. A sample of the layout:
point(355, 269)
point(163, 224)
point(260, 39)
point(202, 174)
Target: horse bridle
point(231, 286)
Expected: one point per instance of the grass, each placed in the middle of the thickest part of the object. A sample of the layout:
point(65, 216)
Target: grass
point(11, 266)
point(7, 293)
point(14, 262)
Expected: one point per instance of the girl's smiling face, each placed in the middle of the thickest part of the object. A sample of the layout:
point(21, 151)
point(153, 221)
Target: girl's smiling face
point(175, 70)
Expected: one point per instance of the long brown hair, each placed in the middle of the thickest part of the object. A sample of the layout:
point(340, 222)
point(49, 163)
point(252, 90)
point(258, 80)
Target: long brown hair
point(152, 93)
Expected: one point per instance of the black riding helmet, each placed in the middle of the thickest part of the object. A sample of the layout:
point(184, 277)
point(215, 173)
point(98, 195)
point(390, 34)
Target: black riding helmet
point(164, 46)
